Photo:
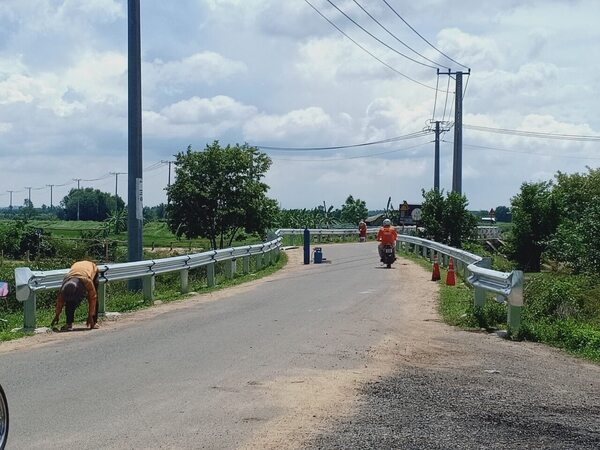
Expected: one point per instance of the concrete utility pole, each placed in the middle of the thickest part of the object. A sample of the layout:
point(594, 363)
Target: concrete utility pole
point(134, 199)
point(169, 180)
point(29, 198)
point(11, 193)
point(116, 174)
point(457, 166)
point(436, 164)
point(50, 186)
point(78, 188)
point(458, 113)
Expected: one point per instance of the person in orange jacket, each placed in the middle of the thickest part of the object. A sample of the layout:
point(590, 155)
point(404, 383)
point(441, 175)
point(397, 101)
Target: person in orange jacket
point(81, 281)
point(362, 231)
point(387, 234)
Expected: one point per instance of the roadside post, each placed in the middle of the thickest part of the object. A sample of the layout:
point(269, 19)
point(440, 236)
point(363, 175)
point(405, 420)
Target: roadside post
point(306, 246)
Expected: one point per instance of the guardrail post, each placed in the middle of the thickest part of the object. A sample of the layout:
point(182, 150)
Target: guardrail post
point(246, 264)
point(515, 303)
point(29, 313)
point(480, 292)
point(230, 268)
point(148, 287)
point(184, 280)
point(101, 299)
point(210, 274)
point(416, 249)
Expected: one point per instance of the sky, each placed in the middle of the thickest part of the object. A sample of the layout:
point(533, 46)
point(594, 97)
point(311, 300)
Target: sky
point(275, 73)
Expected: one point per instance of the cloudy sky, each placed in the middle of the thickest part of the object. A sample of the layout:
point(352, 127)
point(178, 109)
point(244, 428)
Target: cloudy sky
point(275, 73)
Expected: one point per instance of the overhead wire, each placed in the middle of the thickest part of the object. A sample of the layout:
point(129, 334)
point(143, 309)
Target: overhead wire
point(446, 101)
point(422, 37)
point(414, 135)
point(437, 82)
point(397, 39)
point(355, 157)
point(376, 38)
point(525, 152)
point(534, 134)
point(366, 50)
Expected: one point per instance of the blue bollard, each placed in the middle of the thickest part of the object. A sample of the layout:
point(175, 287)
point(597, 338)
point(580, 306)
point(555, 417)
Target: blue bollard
point(306, 246)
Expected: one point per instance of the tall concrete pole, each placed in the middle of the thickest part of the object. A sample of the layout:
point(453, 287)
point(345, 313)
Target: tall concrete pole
point(29, 189)
point(436, 165)
point(11, 193)
point(50, 186)
point(457, 165)
point(134, 198)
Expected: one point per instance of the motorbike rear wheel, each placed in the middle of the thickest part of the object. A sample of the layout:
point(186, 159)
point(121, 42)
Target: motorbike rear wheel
point(3, 419)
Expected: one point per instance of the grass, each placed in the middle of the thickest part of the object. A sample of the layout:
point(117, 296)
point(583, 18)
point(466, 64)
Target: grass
point(560, 311)
point(119, 299)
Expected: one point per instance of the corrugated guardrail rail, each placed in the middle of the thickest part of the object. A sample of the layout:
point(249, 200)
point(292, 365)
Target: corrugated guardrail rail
point(475, 269)
point(508, 286)
point(29, 282)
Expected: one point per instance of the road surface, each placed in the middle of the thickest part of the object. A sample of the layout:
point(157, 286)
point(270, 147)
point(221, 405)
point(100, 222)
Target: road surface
point(344, 354)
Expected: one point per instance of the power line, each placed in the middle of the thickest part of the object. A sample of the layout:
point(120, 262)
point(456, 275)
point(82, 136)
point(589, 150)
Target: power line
point(388, 31)
point(355, 157)
point(419, 34)
point(437, 82)
point(446, 101)
point(535, 134)
point(526, 153)
point(339, 147)
point(367, 51)
point(399, 40)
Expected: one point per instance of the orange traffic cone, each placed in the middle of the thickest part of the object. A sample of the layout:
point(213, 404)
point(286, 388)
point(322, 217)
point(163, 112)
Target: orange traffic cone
point(450, 278)
point(435, 276)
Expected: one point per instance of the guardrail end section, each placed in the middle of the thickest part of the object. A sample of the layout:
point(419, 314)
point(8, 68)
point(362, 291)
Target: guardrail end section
point(22, 277)
point(515, 304)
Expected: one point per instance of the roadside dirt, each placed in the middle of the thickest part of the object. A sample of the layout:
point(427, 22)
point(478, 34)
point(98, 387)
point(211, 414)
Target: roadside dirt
point(429, 385)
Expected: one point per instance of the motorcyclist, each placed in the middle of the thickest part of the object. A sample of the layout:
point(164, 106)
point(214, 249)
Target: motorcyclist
point(387, 234)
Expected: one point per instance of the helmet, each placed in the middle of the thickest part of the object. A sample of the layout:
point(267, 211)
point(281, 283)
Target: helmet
point(387, 222)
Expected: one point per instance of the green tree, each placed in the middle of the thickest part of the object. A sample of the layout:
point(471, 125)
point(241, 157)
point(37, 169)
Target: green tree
point(447, 220)
point(535, 220)
point(218, 192)
point(354, 210)
point(503, 214)
point(92, 204)
point(432, 218)
point(116, 221)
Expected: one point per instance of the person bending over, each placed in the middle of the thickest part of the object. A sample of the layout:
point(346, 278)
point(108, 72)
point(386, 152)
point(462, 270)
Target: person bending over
point(81, 281)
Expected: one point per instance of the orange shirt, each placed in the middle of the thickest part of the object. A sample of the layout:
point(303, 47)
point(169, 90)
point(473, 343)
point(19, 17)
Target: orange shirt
point(387, 235)
point(86, 271)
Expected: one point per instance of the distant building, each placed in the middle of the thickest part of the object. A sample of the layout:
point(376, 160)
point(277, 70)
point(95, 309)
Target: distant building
point(375, 221)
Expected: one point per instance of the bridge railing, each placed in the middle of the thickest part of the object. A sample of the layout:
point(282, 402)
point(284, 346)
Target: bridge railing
point(29, 283)
point(507, 286)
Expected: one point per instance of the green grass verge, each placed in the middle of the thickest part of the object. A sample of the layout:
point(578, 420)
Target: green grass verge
point(560, 311)
point(119, 299)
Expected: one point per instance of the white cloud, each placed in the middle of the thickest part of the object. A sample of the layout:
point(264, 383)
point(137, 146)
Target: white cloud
point(205, 67)
point(196, 116)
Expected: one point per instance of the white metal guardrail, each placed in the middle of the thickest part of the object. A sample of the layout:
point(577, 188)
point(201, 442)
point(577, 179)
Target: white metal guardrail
point(476, 270)
point(29, 282)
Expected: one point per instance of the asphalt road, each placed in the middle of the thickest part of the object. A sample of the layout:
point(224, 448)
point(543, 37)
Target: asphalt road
point(194, 377)
point(343, 355)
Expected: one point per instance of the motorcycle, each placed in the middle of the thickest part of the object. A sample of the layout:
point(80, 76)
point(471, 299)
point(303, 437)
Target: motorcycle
point(3, 419)
point(389, 255)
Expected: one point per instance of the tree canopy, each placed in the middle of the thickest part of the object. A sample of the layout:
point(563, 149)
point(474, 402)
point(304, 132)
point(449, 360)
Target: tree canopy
point(354, 210)
point(92, 204)
point(218, 192)
point(447, 220)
